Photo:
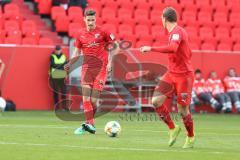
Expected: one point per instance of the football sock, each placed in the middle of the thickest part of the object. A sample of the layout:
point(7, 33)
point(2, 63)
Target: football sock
point(89, 112)
point(164, 114)
point(188, 123)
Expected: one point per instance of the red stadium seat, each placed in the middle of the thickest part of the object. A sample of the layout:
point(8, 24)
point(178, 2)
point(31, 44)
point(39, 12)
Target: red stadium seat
point(112, 28)
point(12, 40)
point(2, 21)
point(205, 33)
point(15, 33)
point(192, 8)
point(11, 7)
point(2, 34)
point(208, 46)
point(157, 5)
point(62, 24)
point(57, 11)
point(11, 12)
point(202, 3)
point(74, 12)
point(125, 4)
point(235, 34)
point(158, 31)
point(220, 18)
point(108, 14)
point(124, 14)
point(236, 47)
point(186, 2)
point(74, 28)
point(234, 19)
point(33, 34)
point(11, 25)
point(44, 7)
point(192, 31)
point(29, 41)
point(224, 47)
point(194, 46)
point(221, 33)
point(46, 41)
point(188, 16)
point(222, 9)
point(155, 17)
point(28, 25)
point(141, 15)
point(232, 3)
point(141, 30)
point(111, 4)
point(216, 3)
point(125, 29)
point(143, 4)
point(205, 19)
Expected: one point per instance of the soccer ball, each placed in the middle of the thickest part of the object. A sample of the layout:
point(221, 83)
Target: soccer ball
point(112, 128)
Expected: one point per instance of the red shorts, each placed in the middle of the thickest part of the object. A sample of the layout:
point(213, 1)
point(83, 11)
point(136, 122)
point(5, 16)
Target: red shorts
point(95, 77)
point(181, 84)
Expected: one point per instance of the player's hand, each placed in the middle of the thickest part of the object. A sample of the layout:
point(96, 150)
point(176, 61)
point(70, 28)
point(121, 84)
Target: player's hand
point(66, 67)
point(145, 49)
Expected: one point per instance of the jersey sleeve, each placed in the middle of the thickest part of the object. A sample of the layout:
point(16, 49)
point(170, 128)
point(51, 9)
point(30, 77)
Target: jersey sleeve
point(175, 37)
point(109, 37)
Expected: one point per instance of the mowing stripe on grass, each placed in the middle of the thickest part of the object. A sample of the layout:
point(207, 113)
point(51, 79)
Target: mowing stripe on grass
point(136, 130)
point(107, 148)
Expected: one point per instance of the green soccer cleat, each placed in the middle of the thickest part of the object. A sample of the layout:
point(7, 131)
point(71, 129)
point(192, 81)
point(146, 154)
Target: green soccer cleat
point(173, 133)
point(189, 143)
point(90, 128)
point(81, 130)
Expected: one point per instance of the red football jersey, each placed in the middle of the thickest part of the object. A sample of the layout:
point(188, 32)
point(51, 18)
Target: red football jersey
point(215, 86)
point(93, 43)
point(231, 83)
point(180, 62)
point(199, 86)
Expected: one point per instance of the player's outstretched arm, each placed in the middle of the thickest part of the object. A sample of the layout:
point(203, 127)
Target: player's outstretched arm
point(73, 59)
point(171, 48)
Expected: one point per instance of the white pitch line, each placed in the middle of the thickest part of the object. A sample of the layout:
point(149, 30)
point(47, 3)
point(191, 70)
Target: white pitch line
point(108, 148)
point(137, 130)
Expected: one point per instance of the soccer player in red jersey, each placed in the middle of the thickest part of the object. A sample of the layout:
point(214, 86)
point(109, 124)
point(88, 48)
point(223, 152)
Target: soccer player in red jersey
point(91, 42)
point(178, 79)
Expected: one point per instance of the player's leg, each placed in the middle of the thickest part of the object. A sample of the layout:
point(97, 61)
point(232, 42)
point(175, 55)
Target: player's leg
point(54, 87)
point(160, 95)
point(87, 79)
point(208, 98)
point(220, 98)
point(184, 89)
point(235, 98)
point(63, 92)
point(228, 103)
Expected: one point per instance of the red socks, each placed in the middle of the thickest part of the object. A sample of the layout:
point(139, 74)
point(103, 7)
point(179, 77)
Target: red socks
point(188, 123)
point(89, 112)
point(164, 114)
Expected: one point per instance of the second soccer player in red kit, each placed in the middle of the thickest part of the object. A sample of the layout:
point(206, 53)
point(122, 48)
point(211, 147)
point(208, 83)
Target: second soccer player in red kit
point(178, 79)
point(91, 43)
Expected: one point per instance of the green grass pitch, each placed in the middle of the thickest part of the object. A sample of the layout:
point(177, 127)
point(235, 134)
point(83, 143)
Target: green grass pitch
point(40, 135)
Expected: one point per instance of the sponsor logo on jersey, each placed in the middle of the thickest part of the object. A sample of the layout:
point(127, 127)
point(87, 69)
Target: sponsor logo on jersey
point(175, 37)
point(97, 35)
